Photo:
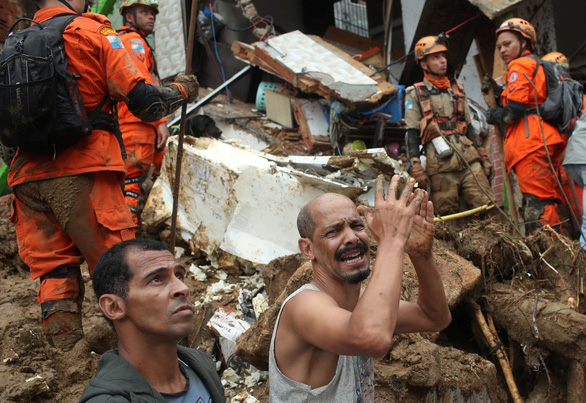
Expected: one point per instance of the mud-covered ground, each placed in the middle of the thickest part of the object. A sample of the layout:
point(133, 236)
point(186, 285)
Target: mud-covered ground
point(455, 365)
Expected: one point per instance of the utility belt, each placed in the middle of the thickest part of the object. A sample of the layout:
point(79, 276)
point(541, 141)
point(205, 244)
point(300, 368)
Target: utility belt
point(432, 127)
point(528, 112)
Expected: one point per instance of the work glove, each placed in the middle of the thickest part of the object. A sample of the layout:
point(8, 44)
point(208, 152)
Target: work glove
point(188, 85)
point(496, 115)
point(419, 174)
point(487, 83)
point(486, 164)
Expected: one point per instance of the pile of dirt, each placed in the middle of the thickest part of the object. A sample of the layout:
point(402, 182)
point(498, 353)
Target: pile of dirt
point(530, 291)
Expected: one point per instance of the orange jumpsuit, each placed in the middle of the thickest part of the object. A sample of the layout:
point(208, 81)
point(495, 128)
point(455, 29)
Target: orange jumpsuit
point(524, 148)
point(139, 137)
point(68, 207)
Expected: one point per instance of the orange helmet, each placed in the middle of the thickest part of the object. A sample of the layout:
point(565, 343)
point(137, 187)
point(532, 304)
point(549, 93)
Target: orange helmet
point(428, 45)
point(521, 26)
point(154, 4)
point(557, 57)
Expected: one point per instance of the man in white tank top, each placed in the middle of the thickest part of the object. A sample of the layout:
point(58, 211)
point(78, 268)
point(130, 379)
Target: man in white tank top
point(327, 332)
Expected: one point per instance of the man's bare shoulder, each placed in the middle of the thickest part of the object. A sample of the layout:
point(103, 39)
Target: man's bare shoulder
point(307, 298)
point(306, 306)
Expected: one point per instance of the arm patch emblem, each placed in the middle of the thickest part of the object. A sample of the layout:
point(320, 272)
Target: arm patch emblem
point(106, 30)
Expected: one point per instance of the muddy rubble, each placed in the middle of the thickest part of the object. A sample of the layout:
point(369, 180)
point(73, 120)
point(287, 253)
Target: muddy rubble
point(527, 293)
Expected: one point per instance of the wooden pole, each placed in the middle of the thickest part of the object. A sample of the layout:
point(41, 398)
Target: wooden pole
point(491, 102)
point(500, 352)
point(188, 57)
point(388, 31)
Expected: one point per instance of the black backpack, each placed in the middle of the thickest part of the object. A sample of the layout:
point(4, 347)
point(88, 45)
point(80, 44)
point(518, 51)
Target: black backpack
point(42, 109)
point(563, 105)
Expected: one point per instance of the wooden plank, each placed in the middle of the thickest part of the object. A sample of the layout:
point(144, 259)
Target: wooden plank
point(313, 131)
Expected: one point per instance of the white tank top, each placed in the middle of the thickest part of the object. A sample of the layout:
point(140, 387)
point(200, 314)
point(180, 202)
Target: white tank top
point(352, 382)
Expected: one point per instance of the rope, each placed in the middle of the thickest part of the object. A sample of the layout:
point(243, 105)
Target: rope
point(463, 23)
point(413, 51)
point(575, 221)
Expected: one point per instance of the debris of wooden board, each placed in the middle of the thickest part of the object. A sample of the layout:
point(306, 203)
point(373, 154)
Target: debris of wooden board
point(313, 125)
point(315, 66)
point(350, 42)
point(227, 193)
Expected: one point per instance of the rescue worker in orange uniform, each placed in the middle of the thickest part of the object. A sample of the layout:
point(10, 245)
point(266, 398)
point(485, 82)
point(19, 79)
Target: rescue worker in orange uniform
point(435, 107)
point(68, 206)
point(524, 146)
point(144, 141)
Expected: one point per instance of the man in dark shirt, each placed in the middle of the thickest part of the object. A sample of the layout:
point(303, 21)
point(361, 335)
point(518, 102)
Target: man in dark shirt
point(141, 291)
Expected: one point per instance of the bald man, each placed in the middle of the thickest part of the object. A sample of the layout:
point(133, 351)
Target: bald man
point(328, 331)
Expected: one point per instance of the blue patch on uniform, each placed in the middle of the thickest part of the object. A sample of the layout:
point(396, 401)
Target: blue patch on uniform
point(115, 42)
point(137, 46)
point(408, 104)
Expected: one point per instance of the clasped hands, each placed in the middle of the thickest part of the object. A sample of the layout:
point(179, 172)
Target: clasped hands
point(407, 218)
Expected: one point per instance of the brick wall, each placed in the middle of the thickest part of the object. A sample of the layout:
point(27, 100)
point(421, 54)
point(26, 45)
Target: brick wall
point(498, 184)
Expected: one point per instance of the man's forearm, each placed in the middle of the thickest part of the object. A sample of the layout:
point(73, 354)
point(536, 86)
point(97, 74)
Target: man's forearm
point(432, 297)
point(377, 309)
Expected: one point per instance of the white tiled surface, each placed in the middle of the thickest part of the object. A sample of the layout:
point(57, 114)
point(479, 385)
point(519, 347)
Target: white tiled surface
point(170, 43)
point(301, 54)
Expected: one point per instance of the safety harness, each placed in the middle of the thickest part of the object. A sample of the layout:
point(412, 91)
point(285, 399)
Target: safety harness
point(432, 123)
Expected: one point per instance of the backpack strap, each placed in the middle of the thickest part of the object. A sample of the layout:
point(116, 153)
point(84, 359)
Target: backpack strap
point(22, 19)
point(423, 96)
point(460, 101)
point(537, 61)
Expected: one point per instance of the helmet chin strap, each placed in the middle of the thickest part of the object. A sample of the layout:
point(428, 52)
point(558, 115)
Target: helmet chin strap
point(69, 6)
point(522, 47)
point(428, 71)
point(131, 23)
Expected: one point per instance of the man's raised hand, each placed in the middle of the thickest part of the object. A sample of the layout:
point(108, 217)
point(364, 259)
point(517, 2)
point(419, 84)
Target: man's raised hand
point(392, 217)
point(420, 240)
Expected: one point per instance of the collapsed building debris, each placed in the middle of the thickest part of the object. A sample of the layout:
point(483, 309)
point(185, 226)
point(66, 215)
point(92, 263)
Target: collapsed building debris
point(314, 66)
point(236, 212)
point(228, 192)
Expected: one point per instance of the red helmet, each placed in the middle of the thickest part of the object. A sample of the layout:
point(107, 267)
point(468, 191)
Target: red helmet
point(521, 26)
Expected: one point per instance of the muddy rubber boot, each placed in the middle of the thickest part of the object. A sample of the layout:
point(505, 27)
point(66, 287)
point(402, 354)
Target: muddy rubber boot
point(63, 329)
point(61, 318)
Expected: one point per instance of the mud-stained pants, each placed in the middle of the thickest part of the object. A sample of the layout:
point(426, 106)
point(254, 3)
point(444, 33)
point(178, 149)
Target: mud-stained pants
point(140, 158)
point(448, 188)
point(61, 222)
point(536, 178)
